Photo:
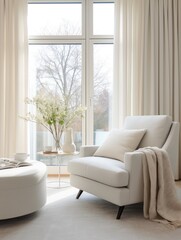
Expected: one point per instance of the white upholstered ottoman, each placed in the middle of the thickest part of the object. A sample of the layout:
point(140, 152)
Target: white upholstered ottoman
point(22, 190)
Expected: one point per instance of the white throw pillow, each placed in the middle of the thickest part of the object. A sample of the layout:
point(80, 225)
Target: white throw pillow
point(120, 141)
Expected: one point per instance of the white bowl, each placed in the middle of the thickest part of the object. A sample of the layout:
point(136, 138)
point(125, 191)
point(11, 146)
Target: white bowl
point(21, 156)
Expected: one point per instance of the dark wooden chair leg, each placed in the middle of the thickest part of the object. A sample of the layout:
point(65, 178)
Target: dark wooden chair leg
point(120, 211)
point(79, 193)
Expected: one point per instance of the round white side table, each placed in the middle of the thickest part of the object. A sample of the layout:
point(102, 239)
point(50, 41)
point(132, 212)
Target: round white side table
point(59, 160)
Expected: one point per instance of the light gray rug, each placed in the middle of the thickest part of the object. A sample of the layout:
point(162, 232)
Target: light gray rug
point(66, 218)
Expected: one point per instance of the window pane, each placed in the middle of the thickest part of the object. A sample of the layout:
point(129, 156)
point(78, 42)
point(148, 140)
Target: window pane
point(55, 19)
point(103, 80)
point(56, 70)
point(103, 18)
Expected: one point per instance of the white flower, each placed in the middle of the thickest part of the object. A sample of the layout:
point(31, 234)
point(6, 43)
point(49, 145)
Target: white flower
point(53, 113)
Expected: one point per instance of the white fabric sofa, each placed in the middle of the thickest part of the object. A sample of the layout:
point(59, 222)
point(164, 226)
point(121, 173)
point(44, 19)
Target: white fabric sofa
point(22, 190)
point(121, 182)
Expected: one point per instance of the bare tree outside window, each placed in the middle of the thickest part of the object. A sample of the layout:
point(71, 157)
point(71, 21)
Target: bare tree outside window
point(59, 72)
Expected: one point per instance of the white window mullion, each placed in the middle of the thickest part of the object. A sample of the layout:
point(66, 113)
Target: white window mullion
point(89, 72)
point(83, 92)
point(89, 94)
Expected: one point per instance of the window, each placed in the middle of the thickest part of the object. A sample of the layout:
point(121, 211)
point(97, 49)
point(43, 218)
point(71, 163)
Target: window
point(55, 18)
point(71, 53)
point(103, 18)
point(102, 96)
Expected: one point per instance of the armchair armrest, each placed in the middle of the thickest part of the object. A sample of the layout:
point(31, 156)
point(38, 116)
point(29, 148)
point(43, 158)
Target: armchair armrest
point(172, 147)
point(133, 164)
point(88, 150)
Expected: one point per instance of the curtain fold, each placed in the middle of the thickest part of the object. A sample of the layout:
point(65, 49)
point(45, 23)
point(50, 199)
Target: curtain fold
point(128, 59)
point(148, 58)
point(13, 75)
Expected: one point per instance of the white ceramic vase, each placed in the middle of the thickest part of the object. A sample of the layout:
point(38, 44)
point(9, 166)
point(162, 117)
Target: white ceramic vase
point(68, 145)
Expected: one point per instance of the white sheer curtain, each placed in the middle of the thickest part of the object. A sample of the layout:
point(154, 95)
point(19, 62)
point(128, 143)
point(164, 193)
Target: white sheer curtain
point(148, 58)
point(13, 75)
point(128, 59)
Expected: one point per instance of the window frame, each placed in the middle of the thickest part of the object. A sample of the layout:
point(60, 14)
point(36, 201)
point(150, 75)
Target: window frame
point(87, 40)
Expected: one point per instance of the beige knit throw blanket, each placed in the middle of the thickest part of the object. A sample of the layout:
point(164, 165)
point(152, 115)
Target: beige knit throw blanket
point(160, 198)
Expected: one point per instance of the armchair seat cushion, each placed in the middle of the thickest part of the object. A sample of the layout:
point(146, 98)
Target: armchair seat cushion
point(104, 170)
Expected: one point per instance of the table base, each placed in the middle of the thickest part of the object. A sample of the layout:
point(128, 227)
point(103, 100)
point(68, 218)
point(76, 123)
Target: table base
point(57, 184)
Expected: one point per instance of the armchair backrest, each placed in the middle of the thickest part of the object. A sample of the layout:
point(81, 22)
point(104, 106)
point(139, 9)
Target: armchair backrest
point(161, 132)
point(157, 128)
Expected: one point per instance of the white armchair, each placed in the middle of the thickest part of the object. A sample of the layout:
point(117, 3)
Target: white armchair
point(121, 182)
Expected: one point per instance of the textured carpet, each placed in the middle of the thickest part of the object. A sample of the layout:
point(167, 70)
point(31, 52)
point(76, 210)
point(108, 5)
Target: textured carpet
point(64, 217)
